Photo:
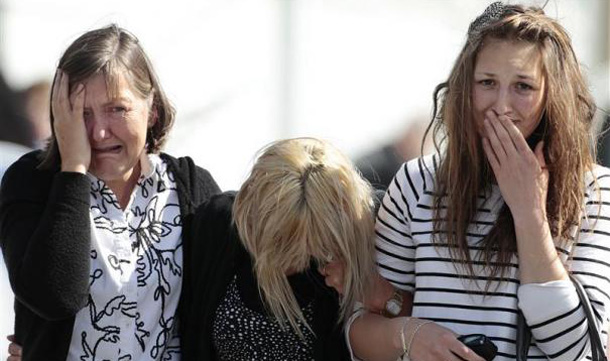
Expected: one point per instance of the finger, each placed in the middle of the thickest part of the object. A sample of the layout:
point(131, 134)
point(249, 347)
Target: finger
point(464, 352)
point(14, 349)
point(61, 101)
point(539, 152)
point(491, 156)
point(494, 141)
point(79, 100)
point(11, 338)
point(515, 134)
point(322, 270)
point(13, 358)
point(499, 124)
point(55, 91)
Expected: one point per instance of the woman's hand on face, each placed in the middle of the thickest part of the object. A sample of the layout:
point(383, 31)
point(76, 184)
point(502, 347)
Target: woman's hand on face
point(14, 350)
point(521, 174)
point(69, 125)
point(433, 342)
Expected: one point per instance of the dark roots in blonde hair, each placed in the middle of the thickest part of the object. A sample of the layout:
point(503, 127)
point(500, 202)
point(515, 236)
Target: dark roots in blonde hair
point(113, 52)
point(304, 201)
point(464, 172)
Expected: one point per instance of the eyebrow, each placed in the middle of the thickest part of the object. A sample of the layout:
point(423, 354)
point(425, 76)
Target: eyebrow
point(116, 100)
point(520, 76)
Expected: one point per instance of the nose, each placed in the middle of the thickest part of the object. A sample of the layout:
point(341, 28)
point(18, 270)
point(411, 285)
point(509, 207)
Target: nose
point(99, 129)
point(502, 103)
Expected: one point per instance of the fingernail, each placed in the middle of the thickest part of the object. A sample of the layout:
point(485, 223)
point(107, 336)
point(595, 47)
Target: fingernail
point(80, 87)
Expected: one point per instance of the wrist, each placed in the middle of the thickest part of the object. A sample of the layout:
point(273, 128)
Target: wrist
point(393, 305)
point(76, 168)
point(534, 217)
point(400, 337)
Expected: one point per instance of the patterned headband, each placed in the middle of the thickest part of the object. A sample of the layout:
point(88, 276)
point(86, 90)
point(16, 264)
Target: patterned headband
point(493, 13)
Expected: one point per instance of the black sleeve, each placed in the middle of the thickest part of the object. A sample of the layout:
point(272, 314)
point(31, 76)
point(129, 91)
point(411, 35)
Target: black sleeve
point(207, 184)
point(45, 236)
point(211, 261)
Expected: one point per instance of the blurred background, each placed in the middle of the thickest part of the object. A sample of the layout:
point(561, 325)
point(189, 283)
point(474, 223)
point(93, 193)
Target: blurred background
point(242, 73)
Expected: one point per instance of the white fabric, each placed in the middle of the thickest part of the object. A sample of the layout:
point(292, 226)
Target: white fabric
point(136, 272)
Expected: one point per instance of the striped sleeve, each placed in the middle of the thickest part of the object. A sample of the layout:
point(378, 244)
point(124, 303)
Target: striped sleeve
point(560, 328)
point(394, 245)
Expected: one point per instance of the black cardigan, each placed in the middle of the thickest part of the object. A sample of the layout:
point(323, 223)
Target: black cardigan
point(45, 238)
point(217, 255)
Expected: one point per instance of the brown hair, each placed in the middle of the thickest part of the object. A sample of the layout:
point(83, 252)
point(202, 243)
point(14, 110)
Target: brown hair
point(113, 51)
point(464, 171)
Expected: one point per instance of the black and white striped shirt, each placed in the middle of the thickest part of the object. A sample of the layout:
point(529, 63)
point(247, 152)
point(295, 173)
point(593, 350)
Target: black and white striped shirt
point(447, 295)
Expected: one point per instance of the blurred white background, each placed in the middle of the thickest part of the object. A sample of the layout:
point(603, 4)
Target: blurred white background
point(245, 72)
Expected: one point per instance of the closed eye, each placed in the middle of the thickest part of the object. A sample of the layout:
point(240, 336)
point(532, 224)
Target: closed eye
point(118, 109)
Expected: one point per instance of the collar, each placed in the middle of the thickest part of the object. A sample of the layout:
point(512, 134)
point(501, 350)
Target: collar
point(149, 163)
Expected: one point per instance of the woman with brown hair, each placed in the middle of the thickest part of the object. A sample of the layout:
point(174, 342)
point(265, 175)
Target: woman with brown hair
point(91, 227)
point(513, 203)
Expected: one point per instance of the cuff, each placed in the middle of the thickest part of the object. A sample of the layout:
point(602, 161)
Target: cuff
point(534, 300)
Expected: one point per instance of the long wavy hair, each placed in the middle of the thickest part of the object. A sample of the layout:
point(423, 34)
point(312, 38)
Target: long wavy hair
point(304, 201)
point(113, 52)
point(464, 173)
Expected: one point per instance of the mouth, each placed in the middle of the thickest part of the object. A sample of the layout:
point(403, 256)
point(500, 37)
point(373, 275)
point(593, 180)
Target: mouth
point(111, 149)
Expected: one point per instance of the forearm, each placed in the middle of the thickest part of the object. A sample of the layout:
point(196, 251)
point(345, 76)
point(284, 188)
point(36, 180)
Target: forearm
point(376, 338)
point(538, 258)
point(46, 245)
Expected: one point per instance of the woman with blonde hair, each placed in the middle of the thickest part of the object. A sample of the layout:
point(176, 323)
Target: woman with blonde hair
point(512, 206)
point(257, 291)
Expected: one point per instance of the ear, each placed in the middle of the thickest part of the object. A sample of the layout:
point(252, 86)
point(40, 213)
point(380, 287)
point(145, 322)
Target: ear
point(153, 116)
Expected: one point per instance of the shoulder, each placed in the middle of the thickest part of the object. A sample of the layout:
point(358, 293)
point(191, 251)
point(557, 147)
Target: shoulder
point(25, 175)
point(212, 227)
point(195, 180)
point(220, 204)
point(216, 213)
point(417, 175)
point(597, 180)
point(26, 163)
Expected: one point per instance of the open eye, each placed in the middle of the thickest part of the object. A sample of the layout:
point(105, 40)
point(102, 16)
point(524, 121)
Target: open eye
point(487, 82)
point(524, 86)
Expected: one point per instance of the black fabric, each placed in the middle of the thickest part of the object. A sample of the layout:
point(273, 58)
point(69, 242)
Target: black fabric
point(217, 255)
point(45, 237)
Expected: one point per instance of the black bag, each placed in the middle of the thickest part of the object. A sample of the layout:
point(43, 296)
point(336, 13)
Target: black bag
point(524, 335)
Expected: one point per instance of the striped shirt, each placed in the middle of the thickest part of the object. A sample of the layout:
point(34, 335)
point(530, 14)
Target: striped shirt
point(448, 295)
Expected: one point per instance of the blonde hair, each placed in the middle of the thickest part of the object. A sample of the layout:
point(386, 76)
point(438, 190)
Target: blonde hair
point(569, 146)
point(305, 201)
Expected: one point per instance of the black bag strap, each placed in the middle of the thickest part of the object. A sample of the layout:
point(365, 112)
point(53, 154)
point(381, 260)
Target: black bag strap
point(597, 345)
point(524, 334)
point(524, 338)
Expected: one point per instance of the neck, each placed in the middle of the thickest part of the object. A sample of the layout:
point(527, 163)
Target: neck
point(123, 188)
